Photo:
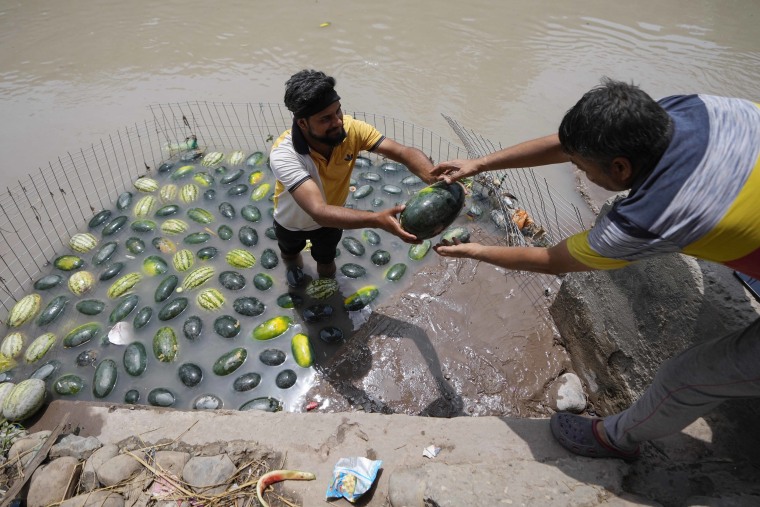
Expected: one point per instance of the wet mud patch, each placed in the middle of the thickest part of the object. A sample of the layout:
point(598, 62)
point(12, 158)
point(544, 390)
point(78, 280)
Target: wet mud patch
point(461, 339)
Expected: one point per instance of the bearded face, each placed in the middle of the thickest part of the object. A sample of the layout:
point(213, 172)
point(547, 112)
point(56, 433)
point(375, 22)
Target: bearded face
point(331, 137)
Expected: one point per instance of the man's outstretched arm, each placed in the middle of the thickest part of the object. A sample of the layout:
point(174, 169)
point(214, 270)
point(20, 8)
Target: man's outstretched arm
point(554, 260)
point(537, 152)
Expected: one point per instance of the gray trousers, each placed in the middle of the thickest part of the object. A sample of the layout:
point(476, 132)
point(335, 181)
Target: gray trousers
point(689, 385)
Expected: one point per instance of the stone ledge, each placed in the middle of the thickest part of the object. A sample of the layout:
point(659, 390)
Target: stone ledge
point(492, 453)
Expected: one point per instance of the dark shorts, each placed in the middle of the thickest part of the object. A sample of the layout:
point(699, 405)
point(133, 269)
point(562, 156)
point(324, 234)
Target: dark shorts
point(323, 242)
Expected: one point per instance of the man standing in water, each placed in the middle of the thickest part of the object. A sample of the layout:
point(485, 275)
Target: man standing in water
point(313, 162)
point(692, 165)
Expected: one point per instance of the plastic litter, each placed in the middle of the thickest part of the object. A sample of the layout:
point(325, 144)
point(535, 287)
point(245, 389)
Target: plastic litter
point(431, 451)
point(120, 333)
point(352, 477)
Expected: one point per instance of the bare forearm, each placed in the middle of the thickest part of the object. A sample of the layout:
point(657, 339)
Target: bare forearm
point(537, 152)
point(542, 151)
point(415, 160)
point(345, 218)
point(515, 258)
point(418, 163)
point(554, 260)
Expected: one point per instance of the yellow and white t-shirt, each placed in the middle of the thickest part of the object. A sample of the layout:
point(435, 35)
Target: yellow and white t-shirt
point(293, 162)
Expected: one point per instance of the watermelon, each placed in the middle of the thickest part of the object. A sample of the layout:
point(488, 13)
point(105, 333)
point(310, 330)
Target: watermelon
point(210, 299)
point(25, 310)
point(361, 298)
point(24, 400)
point(241, 259)
point(322, 288)
point(272, 328)
point(83, 242)
point(230, 361)
point(165, 345)
point(198, 277)
point(432, 209)
point(80, 282)
point(302, 352)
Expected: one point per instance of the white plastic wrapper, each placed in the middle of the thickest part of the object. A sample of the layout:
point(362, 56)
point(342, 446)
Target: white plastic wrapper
point(352, 477)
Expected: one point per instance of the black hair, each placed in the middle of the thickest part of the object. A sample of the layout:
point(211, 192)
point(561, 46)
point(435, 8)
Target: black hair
point(306, 88)
point(616, 119)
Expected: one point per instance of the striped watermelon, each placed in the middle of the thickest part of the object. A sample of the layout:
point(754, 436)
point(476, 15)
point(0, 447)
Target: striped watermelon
point(39, 347)
point(123, 284)
point(25, 310)
point(236, 158)
point(145, 206)
point(168, 192)
point(26, 398)
point(210, 299)
point(80, 282)
point(322, 288)
point(198, 277)
point(83, 242)
point(212, 158)
point(183, 260)
point(12, 345)
point(241, 259)
point(5, 390)
point(146, 184)
point(174, 226)
point(189, 193)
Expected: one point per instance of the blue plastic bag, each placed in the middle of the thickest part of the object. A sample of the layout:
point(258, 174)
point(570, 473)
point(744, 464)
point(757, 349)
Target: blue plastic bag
point(352, 477)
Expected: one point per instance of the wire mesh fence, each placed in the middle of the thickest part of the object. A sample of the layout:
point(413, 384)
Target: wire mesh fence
point(42, 210)
point(526, 210)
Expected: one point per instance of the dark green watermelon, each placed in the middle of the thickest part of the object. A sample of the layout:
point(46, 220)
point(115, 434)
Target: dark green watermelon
point(432, 209)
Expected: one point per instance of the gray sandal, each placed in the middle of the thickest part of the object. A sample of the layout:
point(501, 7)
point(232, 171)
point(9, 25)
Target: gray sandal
point(579, 435)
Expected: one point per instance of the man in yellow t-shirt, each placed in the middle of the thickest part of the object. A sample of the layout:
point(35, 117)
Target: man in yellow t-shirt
point(313, 162)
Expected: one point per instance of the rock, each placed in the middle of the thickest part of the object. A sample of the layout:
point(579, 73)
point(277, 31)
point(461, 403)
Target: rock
point(50, 482)
point(522, 482)
point(89, 479)
point(620, 325)
point(172, 461)
point(137, 491)
point(99, 498)
point(118, 469)
point(566, 394)
point(201, 472)
point(76, 447)
point(26, 448)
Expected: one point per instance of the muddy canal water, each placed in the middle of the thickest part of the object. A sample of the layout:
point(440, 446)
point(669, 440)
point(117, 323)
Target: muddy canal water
point(457, 338)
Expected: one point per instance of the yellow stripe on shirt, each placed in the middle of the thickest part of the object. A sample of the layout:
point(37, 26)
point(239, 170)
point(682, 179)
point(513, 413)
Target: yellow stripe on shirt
point(737, 234)
point(579, 248)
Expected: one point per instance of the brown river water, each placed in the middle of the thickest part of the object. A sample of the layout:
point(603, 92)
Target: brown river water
point(457, 339)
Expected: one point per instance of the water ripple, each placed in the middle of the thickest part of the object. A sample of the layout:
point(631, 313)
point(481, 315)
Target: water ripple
point(599, 43)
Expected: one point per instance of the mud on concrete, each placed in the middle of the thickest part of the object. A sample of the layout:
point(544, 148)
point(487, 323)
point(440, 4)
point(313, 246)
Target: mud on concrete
point(462, 339)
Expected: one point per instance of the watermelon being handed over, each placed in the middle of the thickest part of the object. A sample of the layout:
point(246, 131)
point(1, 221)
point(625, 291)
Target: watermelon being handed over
point(432, 209)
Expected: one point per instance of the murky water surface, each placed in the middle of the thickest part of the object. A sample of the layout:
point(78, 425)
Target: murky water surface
point(72, 73)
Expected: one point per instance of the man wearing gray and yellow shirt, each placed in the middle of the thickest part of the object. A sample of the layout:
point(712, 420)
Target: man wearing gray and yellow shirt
point(313, 162)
